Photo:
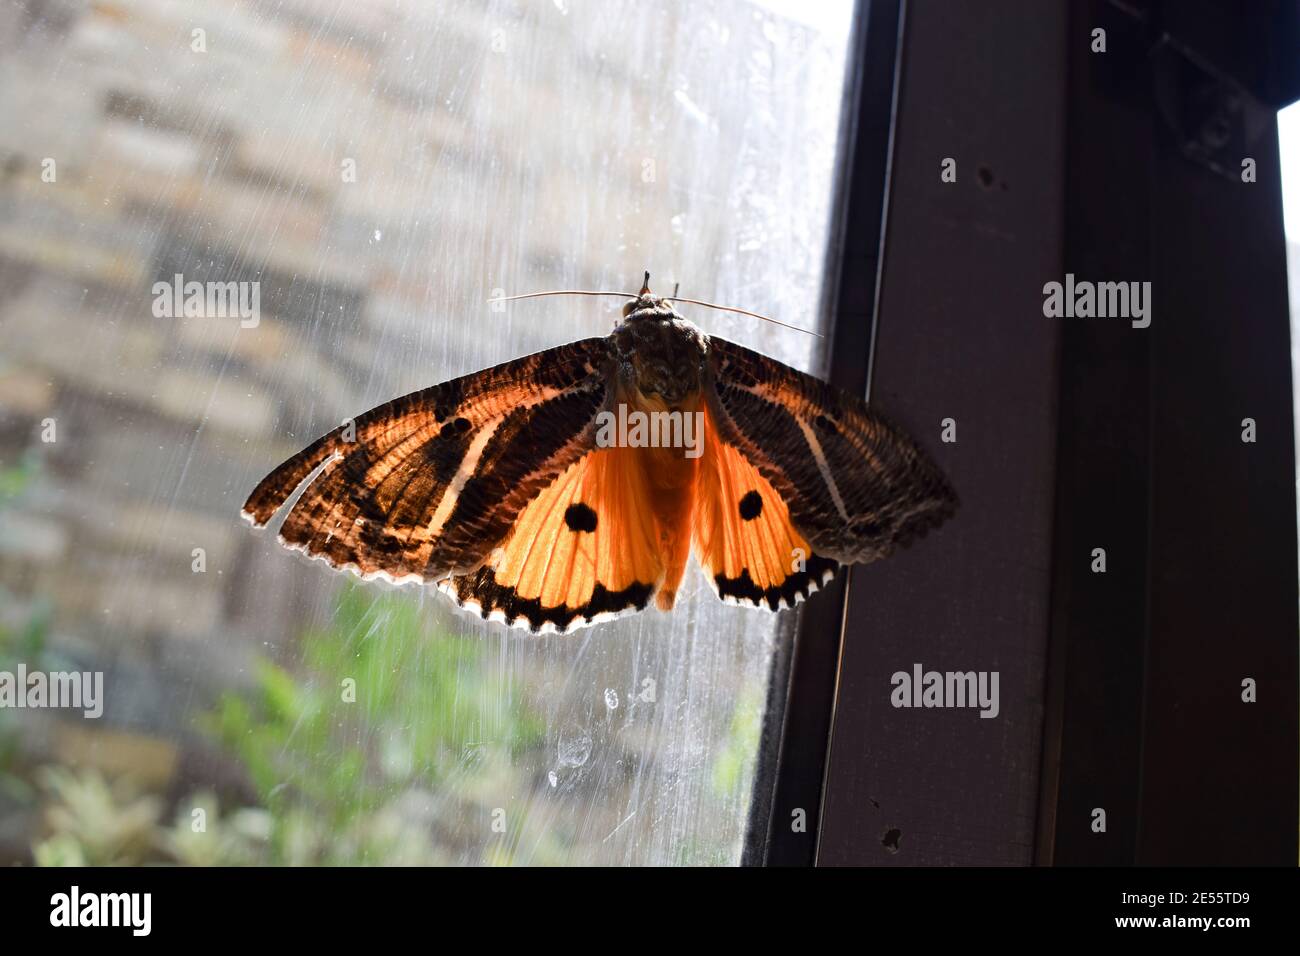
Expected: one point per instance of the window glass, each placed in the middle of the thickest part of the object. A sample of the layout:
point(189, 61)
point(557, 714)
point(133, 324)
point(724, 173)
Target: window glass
point(376, 170)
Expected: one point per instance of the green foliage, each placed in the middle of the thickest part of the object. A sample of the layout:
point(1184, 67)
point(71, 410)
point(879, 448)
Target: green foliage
point(15, 478)
point(386, 745)
point(200, 836)
point(386, 709)
point(95, 823)
point(735, 758)
point(24, 645)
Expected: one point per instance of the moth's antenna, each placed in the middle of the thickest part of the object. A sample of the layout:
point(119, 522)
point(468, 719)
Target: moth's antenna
point(535, 295)
point(755, 315)
point(677, 287)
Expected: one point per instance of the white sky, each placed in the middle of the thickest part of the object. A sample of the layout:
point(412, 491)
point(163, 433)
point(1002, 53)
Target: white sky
point(1288, 131)
point(1288, 134)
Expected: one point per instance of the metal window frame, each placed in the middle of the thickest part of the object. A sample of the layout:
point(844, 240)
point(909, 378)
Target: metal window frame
point(1120, 691)
point(797, 720)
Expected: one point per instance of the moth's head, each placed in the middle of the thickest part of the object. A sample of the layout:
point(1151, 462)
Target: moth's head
point(648, 306)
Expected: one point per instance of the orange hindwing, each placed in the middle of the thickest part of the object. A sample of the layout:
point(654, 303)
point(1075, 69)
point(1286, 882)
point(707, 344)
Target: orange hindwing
point(584, 550)
point(744, 538)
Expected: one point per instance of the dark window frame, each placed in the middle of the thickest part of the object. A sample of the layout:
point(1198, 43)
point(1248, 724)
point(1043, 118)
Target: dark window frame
point(1120, 689)
point(797, 721)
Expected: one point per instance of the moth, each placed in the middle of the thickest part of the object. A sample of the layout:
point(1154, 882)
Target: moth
point(523, 493)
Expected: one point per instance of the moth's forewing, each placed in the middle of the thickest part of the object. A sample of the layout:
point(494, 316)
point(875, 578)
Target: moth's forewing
point(428, 484)
point(856, 486)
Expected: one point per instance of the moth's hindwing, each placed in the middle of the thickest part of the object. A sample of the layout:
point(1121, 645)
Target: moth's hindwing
point(856, 487)
point(582, 551)
point(743, 535)
point(432, 481)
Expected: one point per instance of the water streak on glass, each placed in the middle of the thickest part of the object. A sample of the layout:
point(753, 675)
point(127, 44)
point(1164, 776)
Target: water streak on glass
point(380, 169)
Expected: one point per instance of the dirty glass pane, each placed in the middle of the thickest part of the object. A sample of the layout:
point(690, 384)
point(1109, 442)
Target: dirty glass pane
point(375, 170)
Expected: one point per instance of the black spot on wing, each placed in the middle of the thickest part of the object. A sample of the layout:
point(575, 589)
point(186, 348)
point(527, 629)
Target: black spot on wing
point(580, 517)
point(751, 506)
point(766, 425)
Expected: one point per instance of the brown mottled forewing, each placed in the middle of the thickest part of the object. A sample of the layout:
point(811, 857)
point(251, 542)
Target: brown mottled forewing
point(856, 486)
point(434, 479)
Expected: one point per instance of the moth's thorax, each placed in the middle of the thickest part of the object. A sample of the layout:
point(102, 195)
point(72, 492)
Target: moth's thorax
point(661, 354)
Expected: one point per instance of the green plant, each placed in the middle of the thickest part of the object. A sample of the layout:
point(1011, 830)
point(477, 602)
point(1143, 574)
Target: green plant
point(95, 822)
point(386, 709)
point(27, 645)
point(15, 478)
point(388, 745)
